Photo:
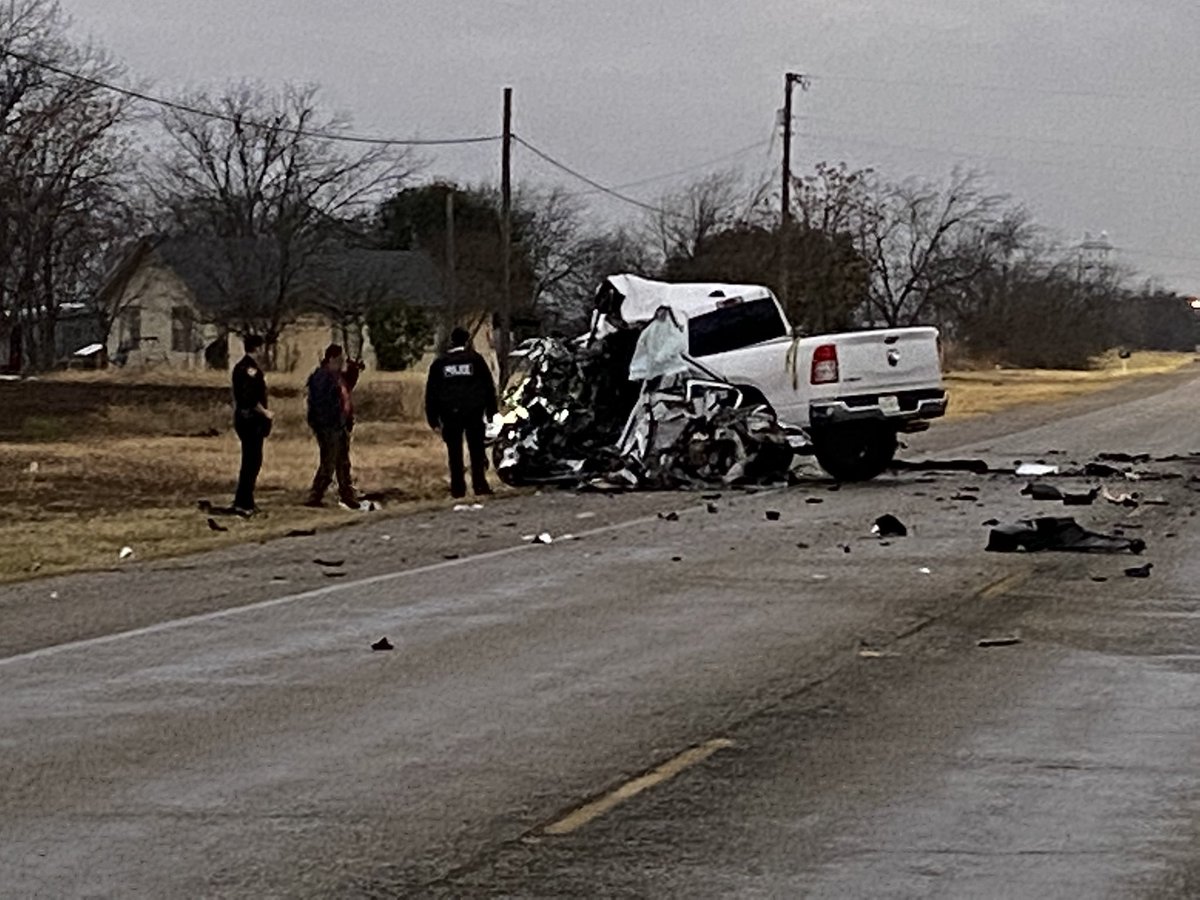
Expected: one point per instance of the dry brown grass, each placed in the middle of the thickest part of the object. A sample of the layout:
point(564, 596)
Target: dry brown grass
point(979, 393)
point(126, 475)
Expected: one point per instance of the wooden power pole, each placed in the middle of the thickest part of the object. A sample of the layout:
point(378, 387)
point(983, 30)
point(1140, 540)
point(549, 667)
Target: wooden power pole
point(502, 344)
point(790, 80)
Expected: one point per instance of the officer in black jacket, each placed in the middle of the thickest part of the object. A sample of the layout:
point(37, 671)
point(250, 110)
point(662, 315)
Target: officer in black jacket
point(460, 392)
point(251, 421)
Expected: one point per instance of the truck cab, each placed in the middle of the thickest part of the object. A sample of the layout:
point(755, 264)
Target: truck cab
point(852, 393)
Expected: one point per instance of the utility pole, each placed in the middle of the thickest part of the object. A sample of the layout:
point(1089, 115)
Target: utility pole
point(790, 80)
point(502, 345)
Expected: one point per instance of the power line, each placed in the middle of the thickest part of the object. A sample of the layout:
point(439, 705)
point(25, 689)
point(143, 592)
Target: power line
point(1058, 142)
point(1013, 88)
point(733, 154)
point(601, 188)
point(143, 97)
point(968, 154)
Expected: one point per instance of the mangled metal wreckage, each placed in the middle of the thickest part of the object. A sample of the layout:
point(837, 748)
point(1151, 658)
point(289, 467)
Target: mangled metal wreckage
point(678, 386)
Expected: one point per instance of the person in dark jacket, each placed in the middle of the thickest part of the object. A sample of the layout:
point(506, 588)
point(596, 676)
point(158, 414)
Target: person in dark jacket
point(331, 418)
point(459, 393)
point(251, 421)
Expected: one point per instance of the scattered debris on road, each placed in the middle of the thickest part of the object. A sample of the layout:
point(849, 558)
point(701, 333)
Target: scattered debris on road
point(330, 563)
point(302, 533)
point(1003, 641)
point(869, 653)
point(382, 644)
point(888, 526)
point(1061, 534)
point(772, 515)
point(1139, 571)
point(1035, 470)
point(126, 553)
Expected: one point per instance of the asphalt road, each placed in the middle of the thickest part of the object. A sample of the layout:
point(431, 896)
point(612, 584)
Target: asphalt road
point(219, 727)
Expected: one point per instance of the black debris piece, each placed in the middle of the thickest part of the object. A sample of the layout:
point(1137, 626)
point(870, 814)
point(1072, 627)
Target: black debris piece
point(814, 501)
point(845, 548)
point(1058, 534)
point(772, 515)
point(888, 526)
point(802, 546)
point(382, 644)
point(676, 559)
point(330, 563)
point(1132, 458)
point(302, 533)
point(1139, 571)
point(1099, 579)
point(1156, 501)
point(335, 574)
point(964, 498)
point(1085, 499)
point(974, 466)
point(1005, 641)
point(1102, 470)
point(451, 556)
point(710, 496)
point(214, 525)
point(1037, 490)
point(713, 508)
point(669, 516)
point(991, 523)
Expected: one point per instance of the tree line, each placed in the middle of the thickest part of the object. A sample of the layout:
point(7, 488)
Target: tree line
point(89, 179)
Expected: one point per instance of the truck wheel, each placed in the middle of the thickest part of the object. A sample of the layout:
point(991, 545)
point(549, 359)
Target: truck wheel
point(855, 453)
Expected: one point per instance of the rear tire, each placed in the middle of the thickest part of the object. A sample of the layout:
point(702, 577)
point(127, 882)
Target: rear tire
point(856, 452)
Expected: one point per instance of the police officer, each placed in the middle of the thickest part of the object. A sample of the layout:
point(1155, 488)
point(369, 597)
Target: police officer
point(460, 392)
point(251, 420)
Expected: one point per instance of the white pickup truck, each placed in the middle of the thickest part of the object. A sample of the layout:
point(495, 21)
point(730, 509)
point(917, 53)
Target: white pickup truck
point(850, 393)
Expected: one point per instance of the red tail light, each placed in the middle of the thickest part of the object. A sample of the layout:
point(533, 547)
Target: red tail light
point(825, 365)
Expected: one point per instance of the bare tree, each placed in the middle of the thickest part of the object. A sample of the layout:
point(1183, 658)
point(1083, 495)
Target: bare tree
point(65, 165)
point(911, 233)
point(267, 194)
point(684, 219)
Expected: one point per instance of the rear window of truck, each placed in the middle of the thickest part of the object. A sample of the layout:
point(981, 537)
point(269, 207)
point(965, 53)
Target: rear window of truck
point(734, 327)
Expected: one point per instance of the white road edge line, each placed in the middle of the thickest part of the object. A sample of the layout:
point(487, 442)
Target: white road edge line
point(230, 612)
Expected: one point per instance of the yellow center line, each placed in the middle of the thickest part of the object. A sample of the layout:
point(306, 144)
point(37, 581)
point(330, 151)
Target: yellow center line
point(590, 811)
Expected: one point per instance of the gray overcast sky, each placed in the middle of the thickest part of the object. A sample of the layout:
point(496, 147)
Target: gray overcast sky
point(1088, 110)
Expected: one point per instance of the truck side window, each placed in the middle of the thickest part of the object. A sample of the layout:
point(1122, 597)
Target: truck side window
point(734, 327)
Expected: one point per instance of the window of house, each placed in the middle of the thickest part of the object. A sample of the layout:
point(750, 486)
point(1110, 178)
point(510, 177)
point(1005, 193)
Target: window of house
point(734, 327)
point(131, 327)
point(183, 330)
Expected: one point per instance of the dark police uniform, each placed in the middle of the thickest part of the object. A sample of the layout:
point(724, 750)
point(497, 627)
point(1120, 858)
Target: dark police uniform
point(460, 392)
point(252, 427)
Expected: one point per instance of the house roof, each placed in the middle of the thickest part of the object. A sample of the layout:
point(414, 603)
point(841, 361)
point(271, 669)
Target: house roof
point(205, 264)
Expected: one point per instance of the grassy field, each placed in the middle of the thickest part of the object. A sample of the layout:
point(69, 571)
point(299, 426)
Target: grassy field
point(985, 392)
point(94, 464)
point(97, 462)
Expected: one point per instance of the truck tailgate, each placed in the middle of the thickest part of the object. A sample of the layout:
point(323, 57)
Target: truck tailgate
point(900, 359)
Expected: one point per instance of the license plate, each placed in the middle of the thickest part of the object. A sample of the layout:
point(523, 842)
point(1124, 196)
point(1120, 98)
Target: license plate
point(890, 405)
